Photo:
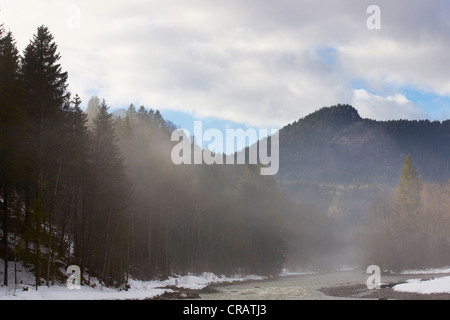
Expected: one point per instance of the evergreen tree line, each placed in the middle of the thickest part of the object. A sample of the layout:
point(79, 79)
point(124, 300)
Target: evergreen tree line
point(63, 186)
point(196, 218)
point(409, 227)
point(98, 189)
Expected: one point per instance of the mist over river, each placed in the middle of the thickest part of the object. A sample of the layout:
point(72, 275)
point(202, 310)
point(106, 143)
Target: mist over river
point(298, 287)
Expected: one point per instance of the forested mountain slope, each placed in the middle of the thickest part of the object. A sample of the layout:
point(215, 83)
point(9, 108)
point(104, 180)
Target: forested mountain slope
point(336, 145)
point(340, 162)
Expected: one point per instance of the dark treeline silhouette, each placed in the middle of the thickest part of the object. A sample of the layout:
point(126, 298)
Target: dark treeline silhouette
point(64, 190)
point(98, 189)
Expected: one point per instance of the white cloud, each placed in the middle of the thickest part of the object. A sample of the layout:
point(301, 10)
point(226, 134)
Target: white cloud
point(385, 108)
point(245, 61)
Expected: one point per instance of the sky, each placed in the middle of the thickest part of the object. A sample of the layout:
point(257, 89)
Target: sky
point(249, 63)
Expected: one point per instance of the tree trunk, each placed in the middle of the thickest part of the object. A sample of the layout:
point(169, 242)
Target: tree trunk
point(5, 231)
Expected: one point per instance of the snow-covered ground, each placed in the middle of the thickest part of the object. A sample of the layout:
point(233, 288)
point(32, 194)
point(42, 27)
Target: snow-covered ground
point(427, 271)
point(59, 292)
point(150, 289)
point(287, 273)
point(137, 289)
point(196, 282)
point(436, 285)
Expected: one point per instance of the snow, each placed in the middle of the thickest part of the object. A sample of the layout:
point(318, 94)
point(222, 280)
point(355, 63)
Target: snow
point(427, 271)
point(436, 285)
point(196, 282)
point(24, 276)
point(138, 290)
point(346, 268)
point(286, 273)
point(59, 292)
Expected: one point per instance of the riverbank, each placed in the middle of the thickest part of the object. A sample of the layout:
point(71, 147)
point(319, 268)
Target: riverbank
point(340, 285)
point(175, 293)
point(334, 286)
point(176, 287)
point(360, 291)
point(427, 284)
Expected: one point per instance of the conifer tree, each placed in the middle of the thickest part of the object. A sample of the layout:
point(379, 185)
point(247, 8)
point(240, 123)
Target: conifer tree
point(76, 180)
point(110, 185)
point(408, 204)
point(45, 81)
point(11, 129)
point(409, 187)
point(46, 95)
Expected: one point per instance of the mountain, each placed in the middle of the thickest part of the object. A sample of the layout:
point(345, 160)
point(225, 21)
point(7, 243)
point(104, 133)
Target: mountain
point(336, 145)
point(339, 161)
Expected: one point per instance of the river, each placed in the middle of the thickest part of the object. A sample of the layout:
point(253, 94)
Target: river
point(298, 287)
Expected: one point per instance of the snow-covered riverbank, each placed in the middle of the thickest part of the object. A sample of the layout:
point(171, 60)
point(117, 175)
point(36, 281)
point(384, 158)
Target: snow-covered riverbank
point(429, 282)
point(25, 290)
point(437, 284)
point(422, 284)
point(136, 290)
point(430, 286)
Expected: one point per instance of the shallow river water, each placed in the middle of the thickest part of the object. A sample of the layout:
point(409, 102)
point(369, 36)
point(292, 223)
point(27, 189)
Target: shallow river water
point(299, 287)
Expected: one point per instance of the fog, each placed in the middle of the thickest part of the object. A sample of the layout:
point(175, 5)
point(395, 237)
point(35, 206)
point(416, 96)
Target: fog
point(123, 193)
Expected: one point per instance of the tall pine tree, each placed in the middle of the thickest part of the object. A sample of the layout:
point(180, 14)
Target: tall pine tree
point(108, 252)
point(46, 96)
point(11, 129)
point(75, 196)
point(408, 201)
point(409, 187)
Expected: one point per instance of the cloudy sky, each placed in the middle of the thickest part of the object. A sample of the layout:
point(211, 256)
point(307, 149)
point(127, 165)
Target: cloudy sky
point(249, 63)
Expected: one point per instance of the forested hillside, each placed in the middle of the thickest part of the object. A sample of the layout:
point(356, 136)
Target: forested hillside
point(335, 145)
point(99, 190)
point(341, 162)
